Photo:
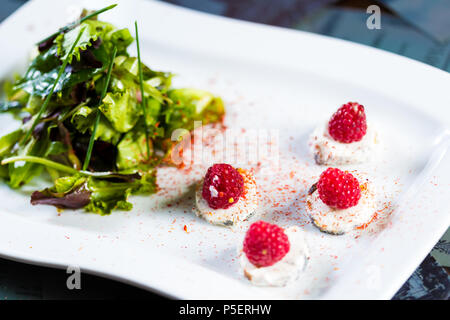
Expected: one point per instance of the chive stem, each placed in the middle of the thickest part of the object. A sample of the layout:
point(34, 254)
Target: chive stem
point(87, 159)
point(49, 96)
point(141, 82)
point(77, 22)
point(58, 166)
point(43, 161)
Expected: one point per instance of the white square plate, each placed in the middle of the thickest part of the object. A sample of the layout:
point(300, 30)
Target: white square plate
point(270, 78)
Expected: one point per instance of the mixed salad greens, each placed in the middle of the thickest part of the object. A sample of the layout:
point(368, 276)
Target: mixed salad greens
point(96, 119)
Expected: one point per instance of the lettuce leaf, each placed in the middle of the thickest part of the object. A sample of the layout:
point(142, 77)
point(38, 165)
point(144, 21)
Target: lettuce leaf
point(191, 105)
point(120, 38)
point(96, 195)
point(109, 195)
point(68, 192)
point(126, 76)
point(83, 120)
point(132, 150)
point(91, 31)
point(120, 165)
point(121, 109)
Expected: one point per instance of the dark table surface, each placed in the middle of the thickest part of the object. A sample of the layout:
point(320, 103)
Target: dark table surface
point(404, 31)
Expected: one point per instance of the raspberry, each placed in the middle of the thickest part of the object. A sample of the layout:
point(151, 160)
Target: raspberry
point(222, 186)
point(348, 123)
point(338, 189)
point(265, 244)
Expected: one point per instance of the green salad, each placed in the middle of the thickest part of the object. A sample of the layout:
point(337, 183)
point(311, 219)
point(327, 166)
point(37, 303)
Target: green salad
point(96, 119)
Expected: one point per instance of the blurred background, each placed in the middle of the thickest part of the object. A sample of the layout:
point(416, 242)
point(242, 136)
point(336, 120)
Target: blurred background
point(418, 29)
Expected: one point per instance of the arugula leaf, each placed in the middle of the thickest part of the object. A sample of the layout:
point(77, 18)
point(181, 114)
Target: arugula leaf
point(43, 70)
point(9, 106)
point(8, 141)
point(41, 74)
point(21, 173)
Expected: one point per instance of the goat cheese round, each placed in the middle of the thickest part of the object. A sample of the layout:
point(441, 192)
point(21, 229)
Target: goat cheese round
point(340, 221)
point(242, 210)
point(328, 151)
point(284, 271)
